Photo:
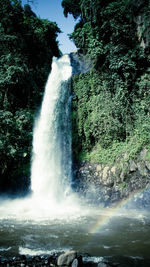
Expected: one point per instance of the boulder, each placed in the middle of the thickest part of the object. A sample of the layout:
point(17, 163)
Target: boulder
point(67, 258)
point(75, 263)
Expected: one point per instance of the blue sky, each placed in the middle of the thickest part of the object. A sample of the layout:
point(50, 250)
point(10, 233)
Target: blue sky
point(52, 10)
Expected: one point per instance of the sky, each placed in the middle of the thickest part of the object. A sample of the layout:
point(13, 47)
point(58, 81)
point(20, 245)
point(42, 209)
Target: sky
point(53, 11)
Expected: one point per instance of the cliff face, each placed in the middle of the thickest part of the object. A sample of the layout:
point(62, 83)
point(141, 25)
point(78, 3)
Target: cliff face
point(142, 19)
point(80, 63)
point(108, 184)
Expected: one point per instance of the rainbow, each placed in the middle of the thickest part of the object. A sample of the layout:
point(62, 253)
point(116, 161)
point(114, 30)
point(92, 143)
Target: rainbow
point(103, 220)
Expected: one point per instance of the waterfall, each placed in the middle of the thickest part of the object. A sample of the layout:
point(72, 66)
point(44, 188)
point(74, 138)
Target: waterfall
point(51, 168)
point(51, 160)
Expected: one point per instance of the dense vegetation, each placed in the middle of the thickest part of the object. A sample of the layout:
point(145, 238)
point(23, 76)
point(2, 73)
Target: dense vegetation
point(111, 106)
point(27, 45)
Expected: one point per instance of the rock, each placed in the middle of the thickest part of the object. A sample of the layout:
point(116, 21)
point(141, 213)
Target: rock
point(80, 63)
point(113, 170)
point(137, 3)
point(141, 168)
point(106, 184)
point(147, 165)
point(143, 153)
point(67, 258)
point(75, 263)
point(105, 171)
point(140, 17)
point(102, 264)
point(99, 168)
point(122, 175)
point(132, 166)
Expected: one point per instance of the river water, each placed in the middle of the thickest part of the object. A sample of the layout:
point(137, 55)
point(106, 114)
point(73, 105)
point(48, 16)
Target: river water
point(119, 236)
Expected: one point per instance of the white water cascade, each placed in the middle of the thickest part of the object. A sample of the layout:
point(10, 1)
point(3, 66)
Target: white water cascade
point(51, 170)
point(51, 162)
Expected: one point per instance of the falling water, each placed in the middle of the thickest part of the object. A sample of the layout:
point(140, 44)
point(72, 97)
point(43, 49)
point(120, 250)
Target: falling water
point(51, 162)
point(51, 170)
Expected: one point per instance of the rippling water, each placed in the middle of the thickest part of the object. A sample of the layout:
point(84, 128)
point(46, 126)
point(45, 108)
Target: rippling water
point(121, 237)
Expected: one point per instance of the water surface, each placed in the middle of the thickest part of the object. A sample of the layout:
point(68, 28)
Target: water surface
point(121, 237)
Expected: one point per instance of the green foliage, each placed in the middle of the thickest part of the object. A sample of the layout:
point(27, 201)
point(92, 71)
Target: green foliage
point(71, 6)
point(27, 45)
point(98, 117)
point(111, 105)
point(130, 148)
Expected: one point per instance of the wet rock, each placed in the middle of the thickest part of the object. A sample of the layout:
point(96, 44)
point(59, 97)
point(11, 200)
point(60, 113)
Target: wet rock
point(80, 63)
point(102, 264)
point(75, 263)
point(23, 258)
point(108, 184)
point(67, 258)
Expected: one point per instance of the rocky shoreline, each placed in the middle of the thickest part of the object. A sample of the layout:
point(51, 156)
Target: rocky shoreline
point(108, 184)
point(71, 259)
point(68, 259)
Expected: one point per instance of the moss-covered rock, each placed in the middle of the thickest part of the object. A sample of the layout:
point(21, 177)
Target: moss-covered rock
point(107, 184)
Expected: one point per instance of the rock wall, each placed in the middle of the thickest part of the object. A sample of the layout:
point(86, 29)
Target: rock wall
point(142, 19)
point(109, 184)
point(80, 63)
